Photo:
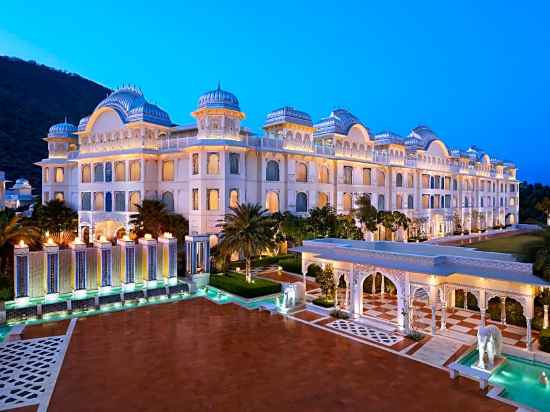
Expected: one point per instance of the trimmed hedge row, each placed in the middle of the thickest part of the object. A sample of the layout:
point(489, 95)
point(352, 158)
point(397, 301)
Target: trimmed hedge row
point(236, 283)
point(293, 264)
point(324, 302)
point(544, 340)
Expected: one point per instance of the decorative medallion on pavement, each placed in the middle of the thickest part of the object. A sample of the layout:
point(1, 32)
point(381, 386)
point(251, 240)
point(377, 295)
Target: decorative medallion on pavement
point(366, 332)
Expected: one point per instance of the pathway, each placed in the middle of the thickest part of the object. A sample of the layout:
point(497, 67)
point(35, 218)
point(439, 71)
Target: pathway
point(437, 351)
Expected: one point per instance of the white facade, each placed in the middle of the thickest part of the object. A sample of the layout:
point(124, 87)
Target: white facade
point(128, 150)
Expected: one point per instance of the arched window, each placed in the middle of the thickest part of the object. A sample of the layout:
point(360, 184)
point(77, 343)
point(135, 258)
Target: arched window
point(367, 175)
point(432, 182)
point(86, 174)
point(213, 164)
point(134, 199)
point(301, 172)
point(98, 172)
point(323, 174)
point(348, 175)
point(466, 202)
point(108, 172)
point(410, 180)
point(272, 202)
point(323, 200)
point(399, 180)
point(168, 201)
point(167, 170)
point(380, 178)
point(272, 171)
point(455, 185)
point(381, 202)
point(108, 202)
point(213, 199)
point(301, 202)
point(347, 202)
point(234, 198)
point(99, 204)
point(120, 171)
point(120, 201)
point(481, 202)
point(410, 202)
point(135, 170)
point(399, 201)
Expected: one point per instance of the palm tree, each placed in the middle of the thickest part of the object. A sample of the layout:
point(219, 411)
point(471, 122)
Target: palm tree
point(151, 217)
point(544, 207)
point(56, 219)
point(366, 213)
point(249, 230)
point(323, 221)
point(13, 228)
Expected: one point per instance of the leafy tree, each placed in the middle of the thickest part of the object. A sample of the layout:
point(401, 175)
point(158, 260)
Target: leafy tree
point(326, 282)
point(249, 230)
point(529, 196)
point(151, 217)
point(366, 213)
point(56, 218)
point(290, 228)
point(544, 206)
point(346, 228)
point(323, 221)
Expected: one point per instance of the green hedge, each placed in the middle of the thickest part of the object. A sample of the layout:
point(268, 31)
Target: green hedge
point(324, 302)
point(262, 261)
point(236, 283)
point(293, 264)
point(544, 340)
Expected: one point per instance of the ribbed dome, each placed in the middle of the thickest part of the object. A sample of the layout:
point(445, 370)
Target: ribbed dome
point(131, 106)
point(219, 99)
point(64, 129)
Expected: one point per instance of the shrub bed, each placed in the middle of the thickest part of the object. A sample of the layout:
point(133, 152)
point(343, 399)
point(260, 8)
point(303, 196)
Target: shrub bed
point(324, 302)
point(293, 264)
point(236, 283)
point(544, 340)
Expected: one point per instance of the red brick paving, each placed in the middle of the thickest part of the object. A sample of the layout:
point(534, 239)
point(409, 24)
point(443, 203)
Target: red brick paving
point(280, 276)
point(196, 355)
point(307, 315)
point(45, 329)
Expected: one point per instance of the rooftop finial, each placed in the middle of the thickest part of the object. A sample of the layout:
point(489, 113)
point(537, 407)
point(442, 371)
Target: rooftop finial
point(219, 85)
point(65, 118)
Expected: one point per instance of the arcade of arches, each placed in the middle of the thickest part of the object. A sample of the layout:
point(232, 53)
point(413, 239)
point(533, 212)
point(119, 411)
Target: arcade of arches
point(417, 301)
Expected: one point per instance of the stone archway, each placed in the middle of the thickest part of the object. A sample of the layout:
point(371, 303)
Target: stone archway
point(343, 290)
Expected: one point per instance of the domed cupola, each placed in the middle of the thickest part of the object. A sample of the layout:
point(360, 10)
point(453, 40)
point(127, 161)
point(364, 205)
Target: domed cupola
point(218, 115)
point(64, 129)
point(219, 99)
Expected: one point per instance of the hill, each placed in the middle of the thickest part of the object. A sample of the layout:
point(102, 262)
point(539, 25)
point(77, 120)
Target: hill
point(32, 98)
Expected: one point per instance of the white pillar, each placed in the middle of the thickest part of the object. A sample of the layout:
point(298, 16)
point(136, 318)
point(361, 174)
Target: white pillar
point(433, 320)
point(529, 345)
point(443, 315)
point(545, 320)
point(373, 288)
point(356, 296)
point(382, 288)
point(482, 314)
point(503, 310)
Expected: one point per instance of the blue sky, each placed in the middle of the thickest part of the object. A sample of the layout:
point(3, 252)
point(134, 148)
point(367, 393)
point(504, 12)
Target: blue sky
point(475, 72)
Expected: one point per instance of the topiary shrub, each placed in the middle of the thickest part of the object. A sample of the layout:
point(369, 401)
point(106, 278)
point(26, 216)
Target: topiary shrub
point(324, 302)
point(544, 340)
point(339, 314)
point(314, 270)
point(293, 265)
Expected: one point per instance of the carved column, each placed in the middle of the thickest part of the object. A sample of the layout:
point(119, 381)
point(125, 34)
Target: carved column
point(529, 345)
point(382, 288)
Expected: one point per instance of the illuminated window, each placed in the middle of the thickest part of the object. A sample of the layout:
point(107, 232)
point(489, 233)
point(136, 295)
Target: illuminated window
point(135, 170)
point(233, 198)
point(301, 172)
point(195, 199)
point(86, 201)
point(98, 172)
point(234, 163)
point(425, 201)
point(367, 176)
point(399, 201)
point(272, 202)
point(46, 173)
point(86, 174)
point(168, 201)
point(347, 202)
point(134, 200)
point(272, 171)
point(59, 196)
point(195, 163)
point(380, 178)
point(120, 171)
point(213, 198)
point(348, 175)
point(381, 202)
point(410, 180)
point(168, 170)
point(99, 204)
point(108, 202)
point(410, 202)
point(323, 200)
point(213, 164)
point(323, 174)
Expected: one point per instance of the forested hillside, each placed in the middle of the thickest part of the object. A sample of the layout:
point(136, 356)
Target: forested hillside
point(32, 98)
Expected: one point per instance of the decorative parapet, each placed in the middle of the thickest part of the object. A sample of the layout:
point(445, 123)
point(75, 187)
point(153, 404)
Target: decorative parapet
point(150, 264)
point(128, 261)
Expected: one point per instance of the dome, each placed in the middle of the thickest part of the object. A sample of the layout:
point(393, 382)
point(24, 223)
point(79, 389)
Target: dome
point(288, 115)
point(21, 183)
point(219, 99)
point(420, 137)
point(340, 121)
point(64, 129)
point(131, 105)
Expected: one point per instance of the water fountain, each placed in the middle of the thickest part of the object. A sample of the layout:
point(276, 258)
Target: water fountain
point(489, 346)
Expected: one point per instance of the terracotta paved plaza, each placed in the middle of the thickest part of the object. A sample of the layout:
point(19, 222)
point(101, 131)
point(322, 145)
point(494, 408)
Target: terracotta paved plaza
point(196, 355)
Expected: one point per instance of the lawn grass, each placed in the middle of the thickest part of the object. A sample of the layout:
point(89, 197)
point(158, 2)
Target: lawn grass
point(236, 283)
point(516, 245)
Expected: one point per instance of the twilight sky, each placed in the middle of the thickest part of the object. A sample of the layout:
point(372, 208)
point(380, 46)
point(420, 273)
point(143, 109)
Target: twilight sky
point(476, 72)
